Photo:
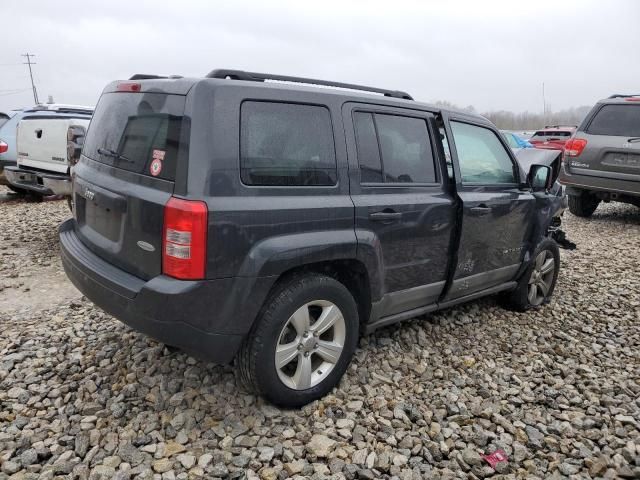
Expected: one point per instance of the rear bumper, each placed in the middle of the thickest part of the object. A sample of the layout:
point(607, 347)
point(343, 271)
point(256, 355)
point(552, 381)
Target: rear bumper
point(39, 182)
point(3, 164)
point(597, 184)
point(207, 318)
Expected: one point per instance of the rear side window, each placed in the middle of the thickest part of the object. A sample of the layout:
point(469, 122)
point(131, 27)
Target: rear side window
point(367, 146)
point(617, 120)
point(393, 149)
point(138, 132)
point(482, 157)
point(284, 144)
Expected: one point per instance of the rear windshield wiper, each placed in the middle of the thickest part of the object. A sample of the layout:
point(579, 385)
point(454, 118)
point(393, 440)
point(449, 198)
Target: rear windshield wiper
point(633, 140)
point(110, 153)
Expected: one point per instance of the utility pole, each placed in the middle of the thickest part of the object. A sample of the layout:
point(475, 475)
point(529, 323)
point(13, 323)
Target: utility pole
point(544, 105)
point(33, 85)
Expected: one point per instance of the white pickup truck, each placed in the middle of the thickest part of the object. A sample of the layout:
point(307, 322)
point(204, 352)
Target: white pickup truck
point(48, 146)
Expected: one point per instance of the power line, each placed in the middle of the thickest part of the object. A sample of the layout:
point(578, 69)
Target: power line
point(4, 93)
point(33, 85)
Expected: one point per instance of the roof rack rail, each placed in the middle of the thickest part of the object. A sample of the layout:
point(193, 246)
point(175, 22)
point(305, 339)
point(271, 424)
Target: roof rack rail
point(145, 76)
point(619, 95)
point(261, 77)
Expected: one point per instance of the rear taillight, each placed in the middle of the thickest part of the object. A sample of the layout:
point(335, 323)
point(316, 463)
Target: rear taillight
point(184, 239)
point(574, 147)
point(3, 147)
point(128, 87)
point(75, 140)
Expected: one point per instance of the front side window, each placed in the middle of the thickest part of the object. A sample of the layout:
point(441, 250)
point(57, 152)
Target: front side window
point(284, 144)
point(482, 157)
point(393, 149)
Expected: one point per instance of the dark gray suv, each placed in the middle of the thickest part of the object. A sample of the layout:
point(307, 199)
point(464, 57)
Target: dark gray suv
point(602, 160)
point(249, 216)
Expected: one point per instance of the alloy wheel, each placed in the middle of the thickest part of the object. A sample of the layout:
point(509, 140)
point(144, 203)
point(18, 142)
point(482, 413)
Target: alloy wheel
point(541, 278)
point(310, 344)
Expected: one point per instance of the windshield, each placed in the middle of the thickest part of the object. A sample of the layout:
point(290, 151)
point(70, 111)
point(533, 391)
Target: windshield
point(548, 134)
point(141, 133)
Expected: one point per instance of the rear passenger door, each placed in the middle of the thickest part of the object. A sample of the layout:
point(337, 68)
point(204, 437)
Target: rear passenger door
point(403, 209)
point(496, 221)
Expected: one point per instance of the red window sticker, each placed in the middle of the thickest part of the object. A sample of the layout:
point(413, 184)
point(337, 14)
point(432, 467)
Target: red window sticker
point(158, 155)
point(496, 457)
point(156, 163)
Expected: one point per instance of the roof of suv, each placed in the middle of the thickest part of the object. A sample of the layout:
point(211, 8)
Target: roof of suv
point(620, 98)
point(181, 86)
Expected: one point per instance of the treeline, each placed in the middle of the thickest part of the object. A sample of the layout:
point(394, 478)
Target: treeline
point(506, 120)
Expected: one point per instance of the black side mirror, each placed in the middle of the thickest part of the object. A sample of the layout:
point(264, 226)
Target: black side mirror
point(539, 177)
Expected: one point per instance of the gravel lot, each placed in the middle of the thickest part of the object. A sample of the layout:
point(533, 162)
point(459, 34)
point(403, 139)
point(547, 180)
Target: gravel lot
point(83, 396)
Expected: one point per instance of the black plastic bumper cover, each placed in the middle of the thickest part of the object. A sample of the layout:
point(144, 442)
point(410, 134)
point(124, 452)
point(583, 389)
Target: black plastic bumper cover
point(196, 316)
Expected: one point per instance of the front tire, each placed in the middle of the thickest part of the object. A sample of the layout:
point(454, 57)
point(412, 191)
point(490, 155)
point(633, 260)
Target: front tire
point(302, 341)
point(19, 191)
point(583, 205)
point(537, 284)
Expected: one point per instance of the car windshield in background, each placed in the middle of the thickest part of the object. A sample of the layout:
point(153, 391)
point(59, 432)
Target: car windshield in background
point(511, 140)
point(616, 120)
point(547, 134)
point(138, 132)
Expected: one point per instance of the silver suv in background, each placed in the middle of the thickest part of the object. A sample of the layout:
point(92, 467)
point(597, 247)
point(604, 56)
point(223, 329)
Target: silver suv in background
point(602, 159)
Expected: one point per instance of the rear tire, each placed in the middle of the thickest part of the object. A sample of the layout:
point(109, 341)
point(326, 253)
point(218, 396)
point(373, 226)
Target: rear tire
point(302, 341)
point(538, 282)
point(583, 205)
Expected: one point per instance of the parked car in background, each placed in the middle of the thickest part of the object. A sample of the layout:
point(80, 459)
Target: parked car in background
point(515, 141)
point(602, 160)
point(246, 215)
point(49, 140)
point(3, 118)
point(552, 137)
point(8, 152)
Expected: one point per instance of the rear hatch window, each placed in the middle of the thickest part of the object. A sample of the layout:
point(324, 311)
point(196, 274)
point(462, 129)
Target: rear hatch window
point(616, 120)
point(547, 134)
point(139, 132)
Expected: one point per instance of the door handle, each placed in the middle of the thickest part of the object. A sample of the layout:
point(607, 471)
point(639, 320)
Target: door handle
point(481, 209)
point(385, 216)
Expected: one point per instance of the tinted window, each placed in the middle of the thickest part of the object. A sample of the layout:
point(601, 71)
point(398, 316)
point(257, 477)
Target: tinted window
point(286, 144)
point(367, 145)
point(406, 151)
point(483, 158)
point(137, 132)
point(618, 120)
point(550, 134)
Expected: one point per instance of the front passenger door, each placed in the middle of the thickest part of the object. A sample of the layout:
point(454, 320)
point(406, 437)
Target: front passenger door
point(495, 211)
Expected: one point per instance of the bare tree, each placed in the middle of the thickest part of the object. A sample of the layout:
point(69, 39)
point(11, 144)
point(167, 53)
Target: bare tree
point(507, 120)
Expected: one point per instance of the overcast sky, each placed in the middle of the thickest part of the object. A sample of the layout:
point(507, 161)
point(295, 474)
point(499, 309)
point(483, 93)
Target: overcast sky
point(490, 54)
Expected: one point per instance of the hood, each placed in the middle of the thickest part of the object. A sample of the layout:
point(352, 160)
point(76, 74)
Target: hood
point(533, 156)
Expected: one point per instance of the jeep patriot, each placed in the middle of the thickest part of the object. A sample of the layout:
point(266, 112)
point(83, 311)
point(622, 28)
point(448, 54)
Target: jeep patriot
point(264, 219)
